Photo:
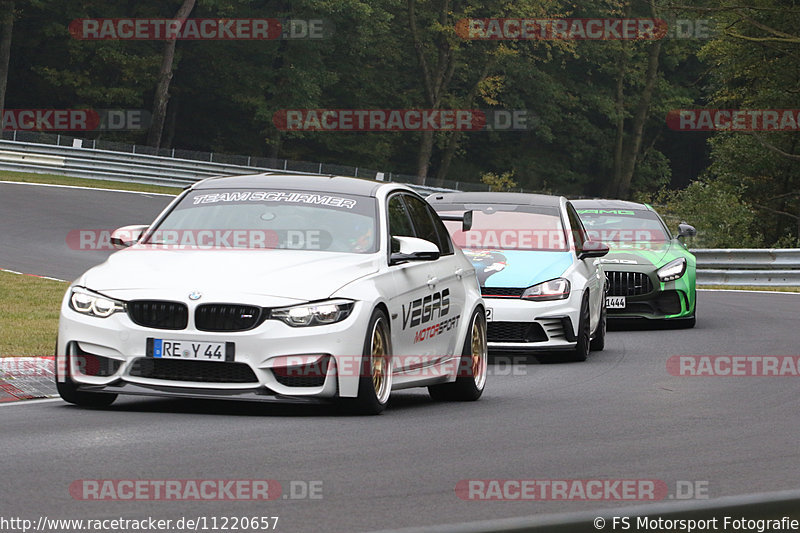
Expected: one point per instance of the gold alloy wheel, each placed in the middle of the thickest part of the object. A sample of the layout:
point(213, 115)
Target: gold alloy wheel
point(479, 352)
point(379, 362)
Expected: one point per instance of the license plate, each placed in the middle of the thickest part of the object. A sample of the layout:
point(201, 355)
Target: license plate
point(615, 302)
point(195, 350)
point(488, 314)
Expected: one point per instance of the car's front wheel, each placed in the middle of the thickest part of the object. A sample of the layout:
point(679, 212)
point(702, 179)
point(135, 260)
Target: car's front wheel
point(472, 368)
point(375, 379)
point(68, 389)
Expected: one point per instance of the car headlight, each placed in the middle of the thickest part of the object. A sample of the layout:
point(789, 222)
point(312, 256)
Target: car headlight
point(314, 314)
point(90, 303)
point(672, 270)
point(555, 289)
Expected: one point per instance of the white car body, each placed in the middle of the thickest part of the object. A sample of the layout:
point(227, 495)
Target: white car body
point(517, 323)
point(268, 360)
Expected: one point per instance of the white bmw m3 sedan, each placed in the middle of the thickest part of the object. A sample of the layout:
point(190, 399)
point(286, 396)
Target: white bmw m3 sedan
point(278, 287)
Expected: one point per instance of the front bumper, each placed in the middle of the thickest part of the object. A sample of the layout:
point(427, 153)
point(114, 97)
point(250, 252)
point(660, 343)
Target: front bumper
point(524, 326)
point(272, 361)
point(648, 297)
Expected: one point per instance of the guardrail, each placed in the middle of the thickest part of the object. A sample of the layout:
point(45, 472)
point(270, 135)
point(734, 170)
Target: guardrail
point(782, 507)
point(756, 267)
point(96, 159)
point(774, 267)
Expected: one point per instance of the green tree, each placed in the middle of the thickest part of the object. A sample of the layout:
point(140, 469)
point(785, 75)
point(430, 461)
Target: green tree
point(755, 66)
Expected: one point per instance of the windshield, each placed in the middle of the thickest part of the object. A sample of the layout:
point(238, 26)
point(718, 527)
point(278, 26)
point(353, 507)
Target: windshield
point(623, 225)
point(268, 219)
point(508, 227)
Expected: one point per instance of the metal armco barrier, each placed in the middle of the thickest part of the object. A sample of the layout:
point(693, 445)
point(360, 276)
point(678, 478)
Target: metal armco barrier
point(783, 505)
point(756, 267)
point(90, 163)
point(774, 267)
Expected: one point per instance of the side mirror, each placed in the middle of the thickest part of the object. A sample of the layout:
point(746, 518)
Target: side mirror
point(593, 249)
point(685, 230)
point(412, 249)
point(127, 236)
point(465, 219)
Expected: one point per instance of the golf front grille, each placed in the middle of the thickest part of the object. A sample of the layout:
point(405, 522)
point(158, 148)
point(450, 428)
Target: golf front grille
point(501, 292)
point(515, 332)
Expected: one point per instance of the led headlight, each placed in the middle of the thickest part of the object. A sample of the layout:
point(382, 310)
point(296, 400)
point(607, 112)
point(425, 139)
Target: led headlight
point(672, 270)
point(89, 303)
point(555, 289)
point(314, 314)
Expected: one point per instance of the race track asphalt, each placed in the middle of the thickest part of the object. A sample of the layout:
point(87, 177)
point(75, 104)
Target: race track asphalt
point(620, 415)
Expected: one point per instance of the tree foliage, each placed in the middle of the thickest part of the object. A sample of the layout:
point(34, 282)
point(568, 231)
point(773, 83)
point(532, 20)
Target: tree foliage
point(597, 108)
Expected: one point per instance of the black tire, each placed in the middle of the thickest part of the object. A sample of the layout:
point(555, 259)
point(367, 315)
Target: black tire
point(598, 343)
point(581, 351)
point(472, 367)
point(69, 392)
point(375, 380)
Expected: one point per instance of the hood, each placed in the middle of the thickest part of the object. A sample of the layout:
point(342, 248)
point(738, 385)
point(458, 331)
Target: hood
point(301, 275)
point(643, 253)
point(517, 268)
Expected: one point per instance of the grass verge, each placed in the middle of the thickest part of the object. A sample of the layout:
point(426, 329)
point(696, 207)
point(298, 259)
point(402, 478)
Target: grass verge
point(749, 288)
point(29, 310)
point(28, 177)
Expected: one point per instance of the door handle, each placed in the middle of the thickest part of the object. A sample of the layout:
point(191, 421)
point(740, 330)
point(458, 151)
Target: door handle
point(432, 282)
point(459, 273)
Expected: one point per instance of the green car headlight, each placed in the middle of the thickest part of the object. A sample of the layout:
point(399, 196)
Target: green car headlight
point(90, 303)
point(314, 314)
point(672, 270)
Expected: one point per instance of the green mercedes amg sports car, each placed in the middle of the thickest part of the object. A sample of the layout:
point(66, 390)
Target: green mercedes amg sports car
point(650, 273)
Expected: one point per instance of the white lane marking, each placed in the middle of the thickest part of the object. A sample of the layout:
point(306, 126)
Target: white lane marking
point(30, 402)
point(748, 290)
point(86, 188)
point(33, 275)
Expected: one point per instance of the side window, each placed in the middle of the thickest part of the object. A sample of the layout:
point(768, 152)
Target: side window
point(423, 221)
point(444, 242)
point(578, 233)
point(399, 221)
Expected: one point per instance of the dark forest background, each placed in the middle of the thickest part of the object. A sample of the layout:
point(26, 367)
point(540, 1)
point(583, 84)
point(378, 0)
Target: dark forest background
point(600, 106)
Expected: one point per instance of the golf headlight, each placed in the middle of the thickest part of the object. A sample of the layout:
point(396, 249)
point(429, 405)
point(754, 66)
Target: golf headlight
point(672, 270)
point(89, 303)
point(314, 314)
point(555, 289)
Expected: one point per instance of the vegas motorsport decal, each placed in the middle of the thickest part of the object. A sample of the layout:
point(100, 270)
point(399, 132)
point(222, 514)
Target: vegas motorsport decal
point(434, 307)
